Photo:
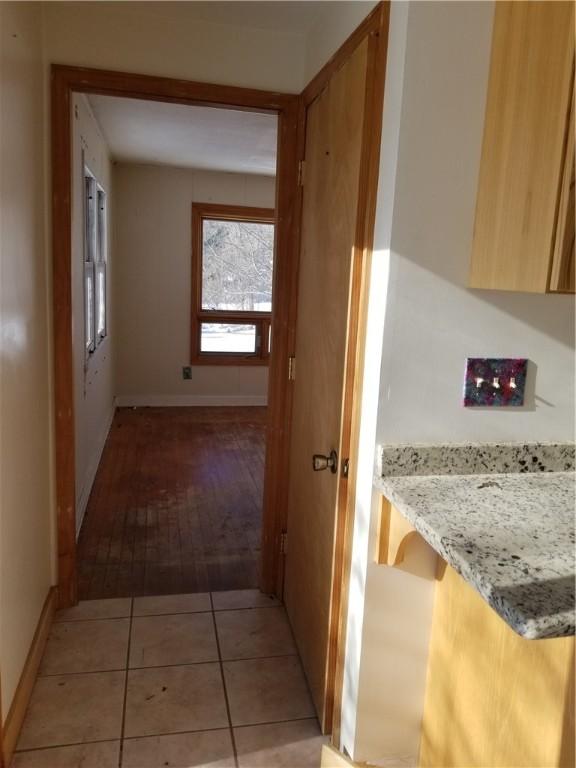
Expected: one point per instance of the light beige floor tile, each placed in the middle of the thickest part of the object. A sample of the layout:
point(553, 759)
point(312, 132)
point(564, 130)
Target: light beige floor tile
point(185, 638)
point(101, 755)
point(153, 606)
point(207, 749)
point(115, 608)
point(245, 634)
point(175, 699)
point(267, 690)
point(72, 709)
point(86, 646)
point(242, 598)
point(294, 744)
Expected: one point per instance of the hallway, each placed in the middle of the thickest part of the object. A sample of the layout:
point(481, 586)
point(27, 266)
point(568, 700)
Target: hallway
point(176, 505)
point(210, 679)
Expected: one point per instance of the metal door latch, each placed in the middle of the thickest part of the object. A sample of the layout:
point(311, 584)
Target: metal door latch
point(321, 462)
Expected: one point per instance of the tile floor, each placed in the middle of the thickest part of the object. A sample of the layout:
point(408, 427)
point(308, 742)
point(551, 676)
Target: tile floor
point(203, 680)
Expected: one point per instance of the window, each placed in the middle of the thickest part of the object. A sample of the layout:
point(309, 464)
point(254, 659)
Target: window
point(95, 238)
point(232, 267)
point(100, 286)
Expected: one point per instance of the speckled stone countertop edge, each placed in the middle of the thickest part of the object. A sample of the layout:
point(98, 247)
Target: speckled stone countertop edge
point(474, 458)
point(524, 626)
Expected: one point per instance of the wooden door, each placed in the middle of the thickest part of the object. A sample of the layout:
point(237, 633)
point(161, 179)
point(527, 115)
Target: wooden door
point(331, 187)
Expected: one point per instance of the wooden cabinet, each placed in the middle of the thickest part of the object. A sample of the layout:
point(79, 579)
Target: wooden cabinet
point(524, 227)
point(493, 698)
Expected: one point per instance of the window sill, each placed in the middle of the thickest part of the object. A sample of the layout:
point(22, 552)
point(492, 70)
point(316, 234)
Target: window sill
point(208, 358)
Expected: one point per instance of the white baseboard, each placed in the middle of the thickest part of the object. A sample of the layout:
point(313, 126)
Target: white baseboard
point(161, 401)
point(82, 499)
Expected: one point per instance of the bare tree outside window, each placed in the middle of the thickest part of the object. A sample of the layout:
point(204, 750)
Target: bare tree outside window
point(233, 265)
point(237, 263)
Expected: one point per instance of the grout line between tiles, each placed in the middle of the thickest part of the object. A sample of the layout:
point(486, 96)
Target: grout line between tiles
point(59, 746)
point(83, 621)
point(162, 666)
point(123, 725)
point(249, 608)
point(84, 672)
point(230, 727)
point(170, 613)
point(159, 735)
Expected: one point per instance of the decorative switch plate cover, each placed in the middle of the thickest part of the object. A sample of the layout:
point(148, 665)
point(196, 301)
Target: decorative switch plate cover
point(495, 381)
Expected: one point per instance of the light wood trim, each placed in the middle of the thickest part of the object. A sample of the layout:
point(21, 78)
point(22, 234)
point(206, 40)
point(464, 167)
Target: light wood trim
point(65, 81)
point(492, 697)
point(226, 212)
point(170, 90)
point(394, 534)
point(62, 324)
point(562, 277)
point(291, 133)
point(377, 27)
point(23, 692)
point(201, 211)
point(372, 23)
point(332, 758)
point(528, 101)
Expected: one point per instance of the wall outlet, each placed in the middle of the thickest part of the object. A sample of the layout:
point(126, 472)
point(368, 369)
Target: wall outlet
point(187, 372)
point(495, 381)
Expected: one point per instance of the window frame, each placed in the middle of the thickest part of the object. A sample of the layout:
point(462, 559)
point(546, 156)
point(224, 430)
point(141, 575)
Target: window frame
point(262, 320)
point(95, 258)
point(89, 255)
point(100, 265)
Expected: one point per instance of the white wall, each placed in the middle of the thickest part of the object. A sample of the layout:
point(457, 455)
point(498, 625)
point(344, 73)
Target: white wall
point(334, 22)
point(433, 322)
point(26, 497)
point(152, 286)
point(429, 322)
point(165, 38)
point(93, 378)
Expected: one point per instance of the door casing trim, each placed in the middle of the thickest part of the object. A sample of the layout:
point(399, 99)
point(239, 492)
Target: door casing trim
point(66, 80)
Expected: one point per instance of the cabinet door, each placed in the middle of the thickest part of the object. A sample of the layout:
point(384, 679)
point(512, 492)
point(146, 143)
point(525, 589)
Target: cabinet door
point(493, 698)
point(523, 151)
point(563, 266)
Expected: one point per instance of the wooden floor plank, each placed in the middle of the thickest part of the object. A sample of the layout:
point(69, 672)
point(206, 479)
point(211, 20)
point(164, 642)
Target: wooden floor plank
point(176, 505)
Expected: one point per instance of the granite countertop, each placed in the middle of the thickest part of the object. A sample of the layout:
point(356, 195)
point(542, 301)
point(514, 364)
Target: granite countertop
point(509, 531)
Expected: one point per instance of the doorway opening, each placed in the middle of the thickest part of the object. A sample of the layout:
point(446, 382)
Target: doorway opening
point(179, 273)
point(173, 221)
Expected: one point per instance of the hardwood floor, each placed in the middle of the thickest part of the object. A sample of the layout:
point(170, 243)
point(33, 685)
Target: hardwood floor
point(176, 505)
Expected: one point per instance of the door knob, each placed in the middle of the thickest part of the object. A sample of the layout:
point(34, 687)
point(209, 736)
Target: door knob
point(321, 462)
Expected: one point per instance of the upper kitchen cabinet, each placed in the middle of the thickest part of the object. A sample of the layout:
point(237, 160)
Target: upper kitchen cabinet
point(524, 228)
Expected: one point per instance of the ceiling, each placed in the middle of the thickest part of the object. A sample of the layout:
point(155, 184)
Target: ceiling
point(157, 133)
point(298, 16)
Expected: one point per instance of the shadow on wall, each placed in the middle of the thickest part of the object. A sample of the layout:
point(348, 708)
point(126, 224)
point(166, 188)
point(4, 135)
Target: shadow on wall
point(440, 144)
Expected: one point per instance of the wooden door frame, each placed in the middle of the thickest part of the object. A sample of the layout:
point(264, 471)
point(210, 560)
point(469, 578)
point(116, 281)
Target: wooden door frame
point(375, 27)
point(66, 80)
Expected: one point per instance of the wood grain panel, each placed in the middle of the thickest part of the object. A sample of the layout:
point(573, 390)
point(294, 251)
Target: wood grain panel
point(528, 101)
point(563, 263)
point(330, 214)
point(377, 36)
point(280, 389)
point(493, 698)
